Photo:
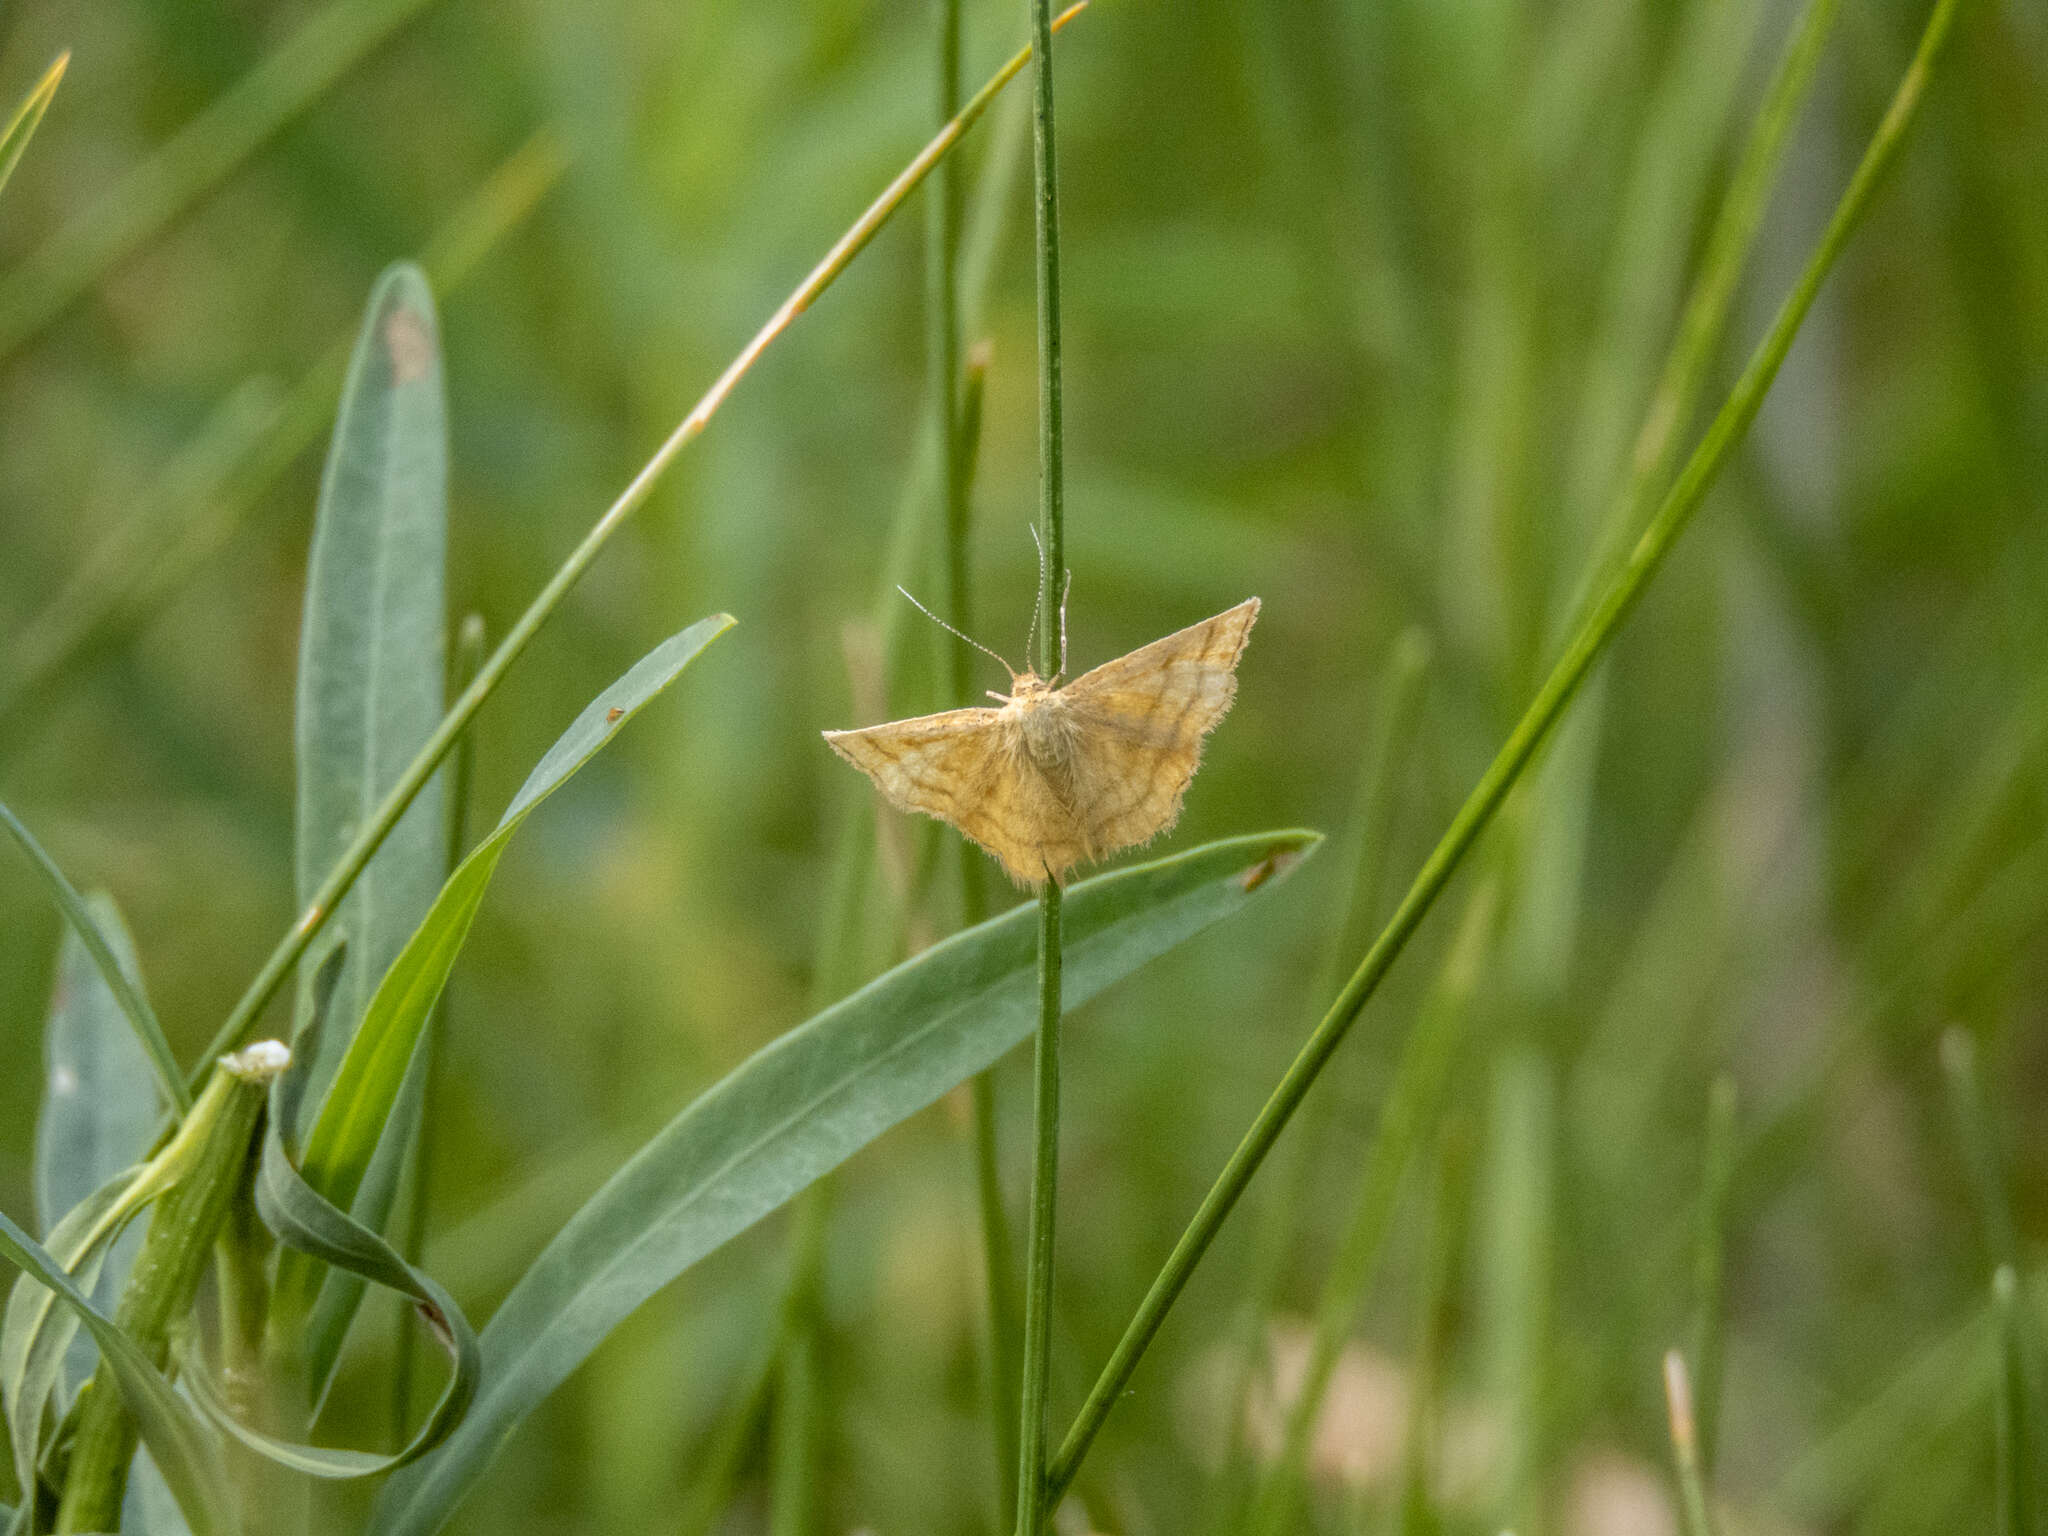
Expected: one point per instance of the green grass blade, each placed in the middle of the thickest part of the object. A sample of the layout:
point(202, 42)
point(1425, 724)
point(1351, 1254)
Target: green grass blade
point(99, 1104)
point(371, 667)
point(1686, 1448)
point(1710, 1267)
point(1990, 1189)
point(180, 1446)
point(22, 126)
point(344, 1137)
point(797, 1109)
point(309, 1224)
point(134, 1006)
point(2013, 1417)
point(194, 161)
point(1617, 600)
point(1515, 1262)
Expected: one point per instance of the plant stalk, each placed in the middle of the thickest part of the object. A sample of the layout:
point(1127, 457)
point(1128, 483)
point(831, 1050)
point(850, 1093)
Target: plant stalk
point(1032, 1504)
point(160, 1291)
point(1591, 640)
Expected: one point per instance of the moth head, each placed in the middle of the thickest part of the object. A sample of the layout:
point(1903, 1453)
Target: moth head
point(1025, 688)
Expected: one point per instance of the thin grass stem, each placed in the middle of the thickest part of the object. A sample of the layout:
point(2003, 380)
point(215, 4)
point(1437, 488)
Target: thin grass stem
point(1710, 1264)
point(29, 116)
point(469, 651)
point(1685, 1447)
point(1614, 605)
point(1032, 1512)
point(2010, 1397)
point(409, 783)
point(1045, 1104)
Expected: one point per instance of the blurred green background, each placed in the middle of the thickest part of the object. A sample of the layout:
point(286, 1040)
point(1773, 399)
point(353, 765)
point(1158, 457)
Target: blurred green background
point(1363, 304)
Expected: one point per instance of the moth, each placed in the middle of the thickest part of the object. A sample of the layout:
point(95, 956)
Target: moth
point(1059, 776)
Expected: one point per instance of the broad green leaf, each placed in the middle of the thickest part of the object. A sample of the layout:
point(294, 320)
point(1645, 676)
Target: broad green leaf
point(346, 1134)
point(134, 1006)
point(99, 1105)
point(15, 136)
point(371, 648)
point(371, 665)
point(187, 1456)
point(797, 1109)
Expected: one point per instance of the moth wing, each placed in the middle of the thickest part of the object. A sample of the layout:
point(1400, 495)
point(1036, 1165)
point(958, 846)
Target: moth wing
point(1142, 720)
point(964, 768)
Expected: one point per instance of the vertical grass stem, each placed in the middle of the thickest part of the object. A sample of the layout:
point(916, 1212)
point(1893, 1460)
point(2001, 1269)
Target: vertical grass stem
point(1031, 1434)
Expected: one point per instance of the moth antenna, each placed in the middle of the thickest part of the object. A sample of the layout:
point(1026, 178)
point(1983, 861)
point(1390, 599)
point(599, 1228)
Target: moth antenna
point(1065, 588)
point(949, 629)
point(1038, 602)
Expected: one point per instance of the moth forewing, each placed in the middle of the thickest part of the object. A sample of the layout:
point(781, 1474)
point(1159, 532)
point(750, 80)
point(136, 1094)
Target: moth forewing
point(1063, 776)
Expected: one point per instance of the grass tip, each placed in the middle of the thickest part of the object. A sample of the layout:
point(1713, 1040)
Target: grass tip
point(1678, 1402)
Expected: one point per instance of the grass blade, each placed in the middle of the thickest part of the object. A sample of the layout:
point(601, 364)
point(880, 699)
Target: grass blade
point(370, 656)
point(22, 126)
point(1710, 1267)
point(134, 1006)
point(1686, 1448)
point(1604, 619)
point(99, 1109)
point(798, 1108)
point(2016, 1473)
point(345, 1136)
point(192, 163)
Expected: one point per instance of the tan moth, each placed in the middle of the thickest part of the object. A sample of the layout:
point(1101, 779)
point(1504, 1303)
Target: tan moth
point(1059, 776)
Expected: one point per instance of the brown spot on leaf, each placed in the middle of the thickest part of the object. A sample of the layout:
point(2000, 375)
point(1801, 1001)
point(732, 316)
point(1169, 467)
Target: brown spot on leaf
point(411, 348)
point(614, 716)
point(1278, 862)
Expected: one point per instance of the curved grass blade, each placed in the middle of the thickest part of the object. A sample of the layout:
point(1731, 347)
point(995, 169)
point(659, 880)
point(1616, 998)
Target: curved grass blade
point(189, 1460)
point(798, 1108)
point(311, 1225)
point(133, 1004)
point(22, 126)
point(350, 1126)
point(370, 655)
point(98, 1114)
